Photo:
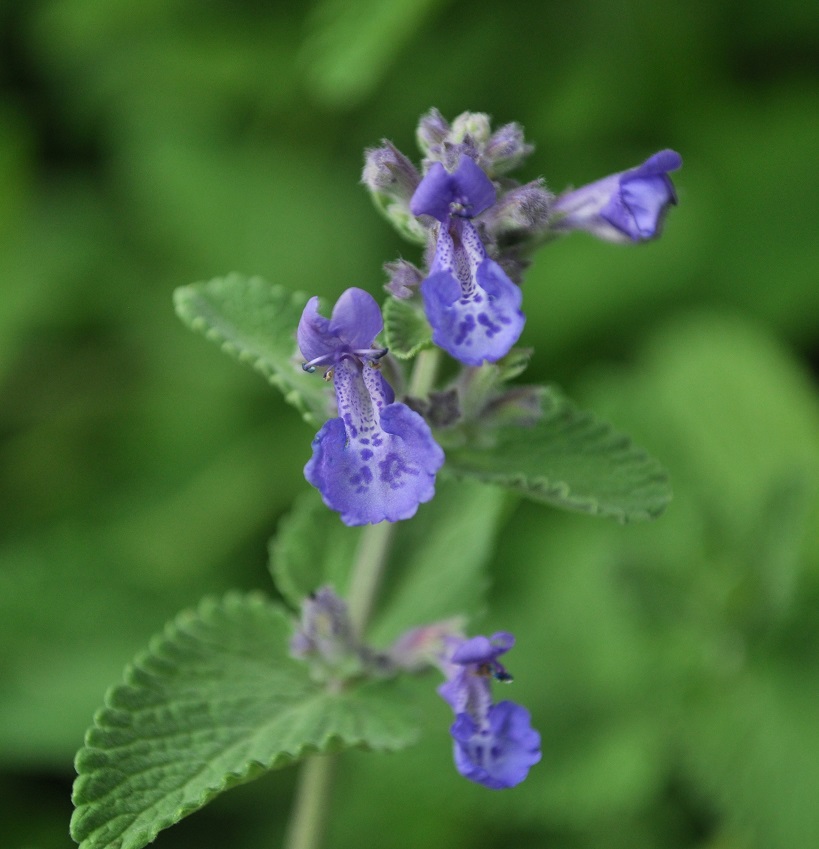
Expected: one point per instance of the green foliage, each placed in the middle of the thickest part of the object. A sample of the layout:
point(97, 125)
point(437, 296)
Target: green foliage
point(406, 329)
point(255, 322)
point(214, 703)
point(147, 144)
point(352, 43)
point(569, 459)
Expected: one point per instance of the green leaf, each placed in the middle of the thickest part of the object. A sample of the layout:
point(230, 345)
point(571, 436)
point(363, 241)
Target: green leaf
point(353, 42)
point(214, 703)
point(571, 460)
point(255, 321)
point(311, 549)
point(436, 568)
point(406, 329)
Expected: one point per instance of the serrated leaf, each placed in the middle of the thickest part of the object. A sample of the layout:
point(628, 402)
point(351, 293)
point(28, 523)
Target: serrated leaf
point(569, 459)
point(406, 329)
point(255, 321)
point(214, 703)
point(437, 563)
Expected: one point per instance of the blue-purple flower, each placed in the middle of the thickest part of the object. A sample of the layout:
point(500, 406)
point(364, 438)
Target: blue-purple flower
point(625, 207)
point(377, 460)
point(499, 751)
point(494, 744)
point(470, 302)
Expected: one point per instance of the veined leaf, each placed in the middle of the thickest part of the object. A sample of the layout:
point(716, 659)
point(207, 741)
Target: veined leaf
point(406, 329)
point(255, 321)
point(215, 702)
point(569, 459)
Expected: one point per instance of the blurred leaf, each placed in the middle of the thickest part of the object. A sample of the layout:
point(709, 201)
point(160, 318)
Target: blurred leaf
point(436, 565)
point(352, 43)
point(753, 746)
point(406, 329)
point(215, 702)
point(572, 460)
point(255, 322)
point(439, 567)
point(311, 549)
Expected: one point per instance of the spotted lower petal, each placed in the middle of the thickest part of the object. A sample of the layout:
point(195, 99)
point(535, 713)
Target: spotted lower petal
point(475, 325)
point(500, 752)
point(377, 461)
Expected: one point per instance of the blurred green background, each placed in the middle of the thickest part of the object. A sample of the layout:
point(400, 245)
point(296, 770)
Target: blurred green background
point(672, 668)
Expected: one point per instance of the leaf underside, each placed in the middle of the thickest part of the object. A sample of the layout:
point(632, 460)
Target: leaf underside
point(255, 321)
point(215, 702)
point(569, 459)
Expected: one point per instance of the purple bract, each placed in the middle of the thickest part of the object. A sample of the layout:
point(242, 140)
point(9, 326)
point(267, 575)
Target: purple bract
point(470, 302)
point(625, 207)
point(377, 461)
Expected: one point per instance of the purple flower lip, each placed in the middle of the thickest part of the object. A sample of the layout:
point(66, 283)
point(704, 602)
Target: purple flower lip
point(499, 752)
point(483, 650)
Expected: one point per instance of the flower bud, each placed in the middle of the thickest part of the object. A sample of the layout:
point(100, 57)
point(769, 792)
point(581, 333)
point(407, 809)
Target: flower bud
point(506, 149)
point(404, 278)
point(392, 179)
point(471, 125)
point(523, 210)
point(433, 128)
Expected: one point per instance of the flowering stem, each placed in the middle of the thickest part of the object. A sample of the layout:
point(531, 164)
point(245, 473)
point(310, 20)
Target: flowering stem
point(306, 827)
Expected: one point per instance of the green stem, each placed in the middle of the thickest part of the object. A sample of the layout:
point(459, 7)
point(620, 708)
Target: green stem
point(424, 371)
point(370, 561)
point(307, 823)
point(309, 818)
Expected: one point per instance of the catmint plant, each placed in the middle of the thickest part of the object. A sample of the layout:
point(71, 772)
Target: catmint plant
point(407, 457)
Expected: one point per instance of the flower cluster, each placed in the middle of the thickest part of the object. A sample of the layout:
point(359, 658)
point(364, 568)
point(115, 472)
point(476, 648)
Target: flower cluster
point(482, 226)
point(377, 460)
point(493, 742)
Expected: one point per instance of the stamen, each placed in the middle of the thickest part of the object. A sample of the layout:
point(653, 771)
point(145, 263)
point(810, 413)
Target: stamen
point(323, 360)
point(371, 353)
